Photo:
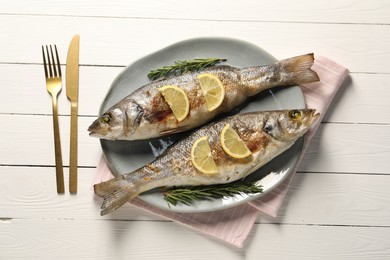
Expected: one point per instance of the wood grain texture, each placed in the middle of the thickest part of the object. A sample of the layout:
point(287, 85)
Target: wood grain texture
point(338, 205)
point(350, 105)
point(28, 95)
point(349, 148)
point(313, 199)
point(161, 240)
point(331, 11)
point(110, 45)
point(335, 148)
point(320, 242)
point(23, 138)
point(364, 98)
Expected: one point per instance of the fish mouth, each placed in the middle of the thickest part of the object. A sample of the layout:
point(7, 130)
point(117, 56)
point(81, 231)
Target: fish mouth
point(312, 116)
point(95, 130)
point(93, 133)
point(92, 128)
point(100, 136)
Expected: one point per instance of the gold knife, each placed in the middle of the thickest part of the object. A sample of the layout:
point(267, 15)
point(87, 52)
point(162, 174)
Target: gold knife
point(72, 91)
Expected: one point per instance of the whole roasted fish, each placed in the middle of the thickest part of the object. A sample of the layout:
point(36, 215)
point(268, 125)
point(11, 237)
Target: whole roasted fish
point(266, 134)
point(144, 113)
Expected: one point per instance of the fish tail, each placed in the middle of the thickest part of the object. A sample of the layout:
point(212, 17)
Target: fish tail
point(297, 70)
point(115, 193)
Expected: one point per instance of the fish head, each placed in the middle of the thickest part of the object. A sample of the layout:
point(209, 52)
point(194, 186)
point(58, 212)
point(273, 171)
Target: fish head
point(118, 122)
point(288, 125)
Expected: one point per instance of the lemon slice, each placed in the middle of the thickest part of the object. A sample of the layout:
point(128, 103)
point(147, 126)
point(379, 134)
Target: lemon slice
point(201, 156)
point(232, 143)
point(212, 89)
point(177, 100)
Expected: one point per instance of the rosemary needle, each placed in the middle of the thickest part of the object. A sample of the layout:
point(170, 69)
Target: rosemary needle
point(183, 66)
point(190, 194)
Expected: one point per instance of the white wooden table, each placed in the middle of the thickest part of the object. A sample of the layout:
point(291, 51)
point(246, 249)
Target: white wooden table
point(339, 203)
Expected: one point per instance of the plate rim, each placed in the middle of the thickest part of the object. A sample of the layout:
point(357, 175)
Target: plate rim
point(185, 208)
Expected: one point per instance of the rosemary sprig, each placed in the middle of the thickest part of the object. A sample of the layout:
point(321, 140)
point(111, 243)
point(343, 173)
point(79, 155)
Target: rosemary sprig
point(183, 66)
point(191, 194)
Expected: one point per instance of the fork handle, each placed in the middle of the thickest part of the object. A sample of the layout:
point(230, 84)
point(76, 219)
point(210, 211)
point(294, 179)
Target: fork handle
point(57, 149)
point(73, 149)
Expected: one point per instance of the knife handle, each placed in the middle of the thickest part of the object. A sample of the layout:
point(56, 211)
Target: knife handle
point(73, 149)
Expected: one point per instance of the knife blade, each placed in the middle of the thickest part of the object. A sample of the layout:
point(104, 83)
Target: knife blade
point(72, 91)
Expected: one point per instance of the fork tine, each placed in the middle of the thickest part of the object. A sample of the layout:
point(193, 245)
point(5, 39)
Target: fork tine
point(48, 61)
point(58, 62)
point(44, 61)
point(53, 62)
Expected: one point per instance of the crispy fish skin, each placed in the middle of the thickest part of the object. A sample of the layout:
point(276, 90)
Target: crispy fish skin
point(267, 134)
point(144, 113)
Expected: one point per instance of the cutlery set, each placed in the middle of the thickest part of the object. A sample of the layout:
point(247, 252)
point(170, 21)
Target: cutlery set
point(53, 77)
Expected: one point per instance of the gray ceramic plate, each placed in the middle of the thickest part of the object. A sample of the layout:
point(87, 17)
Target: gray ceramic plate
point(125, 156)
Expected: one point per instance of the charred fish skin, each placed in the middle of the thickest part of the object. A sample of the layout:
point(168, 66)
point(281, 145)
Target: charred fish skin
point(144, 113)
point(266, 134)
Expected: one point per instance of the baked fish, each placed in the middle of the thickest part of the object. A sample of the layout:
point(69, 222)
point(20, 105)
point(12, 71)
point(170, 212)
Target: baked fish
point(145, 113)
point(265, 134)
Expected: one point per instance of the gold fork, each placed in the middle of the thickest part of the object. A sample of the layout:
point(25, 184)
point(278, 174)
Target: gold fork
point(54, 86)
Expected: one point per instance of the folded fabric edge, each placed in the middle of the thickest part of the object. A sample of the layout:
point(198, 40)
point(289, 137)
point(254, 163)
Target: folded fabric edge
point(221, 231)
point(271, 204)
point(262, 206)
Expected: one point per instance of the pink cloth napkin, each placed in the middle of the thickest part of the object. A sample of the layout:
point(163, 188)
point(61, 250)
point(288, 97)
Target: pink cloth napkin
point(233, 225)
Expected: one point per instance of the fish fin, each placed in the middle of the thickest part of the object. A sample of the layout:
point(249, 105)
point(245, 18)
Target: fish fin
point(297, 70)
point(115, 193)
point(173, 131)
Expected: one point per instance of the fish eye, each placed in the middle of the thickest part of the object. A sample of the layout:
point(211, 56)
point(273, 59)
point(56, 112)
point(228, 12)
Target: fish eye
point(105, 119)
point(295, 114)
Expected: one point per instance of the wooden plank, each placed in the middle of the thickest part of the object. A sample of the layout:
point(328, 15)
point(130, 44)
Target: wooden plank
point(349, 148)
point(332, 11)
point(121, 41)
point(363, 99)
point(86, 239)
point(313, 199)
point(336, 199)
point(319, 242)
point(338, 206)
point(350, 105)
point(28, 95)
point(28, 140)
point(30, 192)
point(89, 239)
point(335, 148)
